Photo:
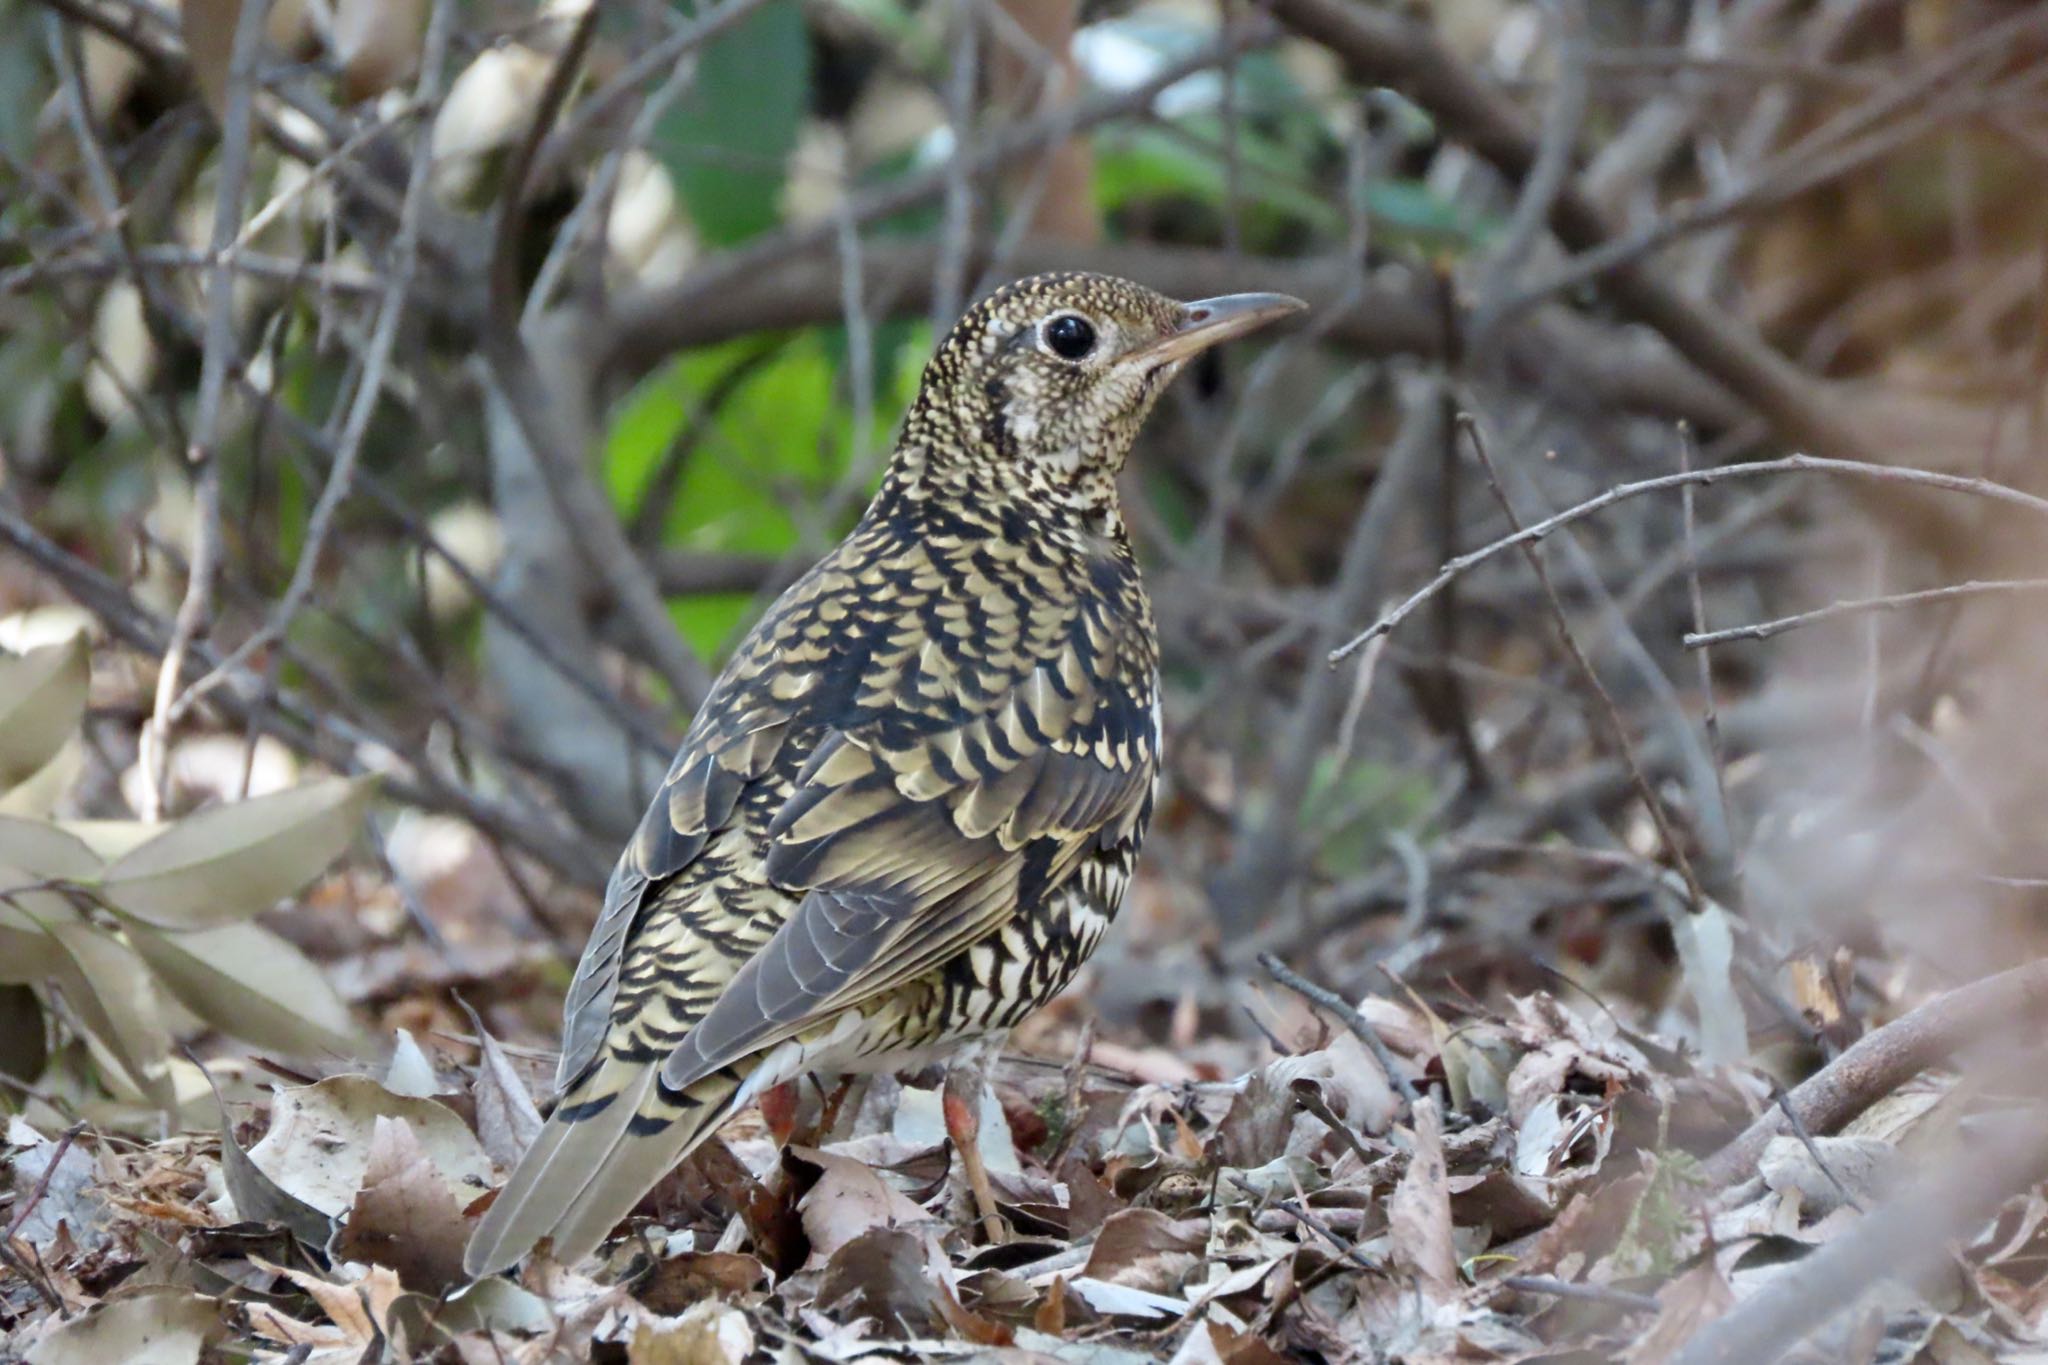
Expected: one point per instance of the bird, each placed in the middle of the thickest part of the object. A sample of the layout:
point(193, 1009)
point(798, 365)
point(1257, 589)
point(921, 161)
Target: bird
point(912, 800)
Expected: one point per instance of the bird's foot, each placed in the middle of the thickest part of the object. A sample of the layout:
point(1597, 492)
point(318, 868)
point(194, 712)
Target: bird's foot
point(961, 1097)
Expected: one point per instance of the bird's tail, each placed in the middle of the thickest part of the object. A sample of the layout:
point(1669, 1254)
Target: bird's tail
point(610, 1139)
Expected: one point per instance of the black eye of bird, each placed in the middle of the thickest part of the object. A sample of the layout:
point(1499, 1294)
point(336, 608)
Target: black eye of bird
point(1070, 336)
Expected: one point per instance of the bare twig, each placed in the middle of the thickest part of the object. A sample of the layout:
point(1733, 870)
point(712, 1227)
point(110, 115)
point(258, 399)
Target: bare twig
point(1853, 606)
point(1791, 464)
point(203, 453)
point(1696, 598)
point(369, 385)
point(1585, 1293)
point(1308, 1220)
point(1357, 1023)
point(1617, 727)
point(535, 403)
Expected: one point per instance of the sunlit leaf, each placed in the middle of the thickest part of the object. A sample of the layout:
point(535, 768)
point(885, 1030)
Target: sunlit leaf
point(42, 699)
point(44, 850)
point(318, 1146)
point(110, 993)
point(245, 980)
point(231, 862)
point(727, 140)
point(158, 1326)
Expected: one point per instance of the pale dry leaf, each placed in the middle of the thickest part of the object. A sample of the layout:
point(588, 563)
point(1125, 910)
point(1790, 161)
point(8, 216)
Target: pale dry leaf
point(248, 982)
point(1145, 1249)
point(256, 1196)
point(409, 1072)
point(317, 1149)
point(69, 1199)
point(849, 1201)
point(404, 1216)
point(42, 849)
point(1863, 1166)
point(42, 701)
point(232, 862)
point(154, 1327)
point(507, 1121)
point(706, 1333)
point(1419, 1210)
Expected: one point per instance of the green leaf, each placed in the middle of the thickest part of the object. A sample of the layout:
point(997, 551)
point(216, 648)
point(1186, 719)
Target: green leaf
point(42, 700)
point(727, 140)
point(232, 862)
point(246, 981)
point(43, 850)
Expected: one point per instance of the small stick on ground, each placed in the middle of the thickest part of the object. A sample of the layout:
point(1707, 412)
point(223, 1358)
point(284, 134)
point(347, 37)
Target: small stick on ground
point(1588, 1293)
point(1360, 1028)
point(1308, 1220)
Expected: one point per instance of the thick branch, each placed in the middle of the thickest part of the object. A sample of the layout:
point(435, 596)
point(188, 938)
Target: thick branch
point(2013, 1002)
point(1595, 365)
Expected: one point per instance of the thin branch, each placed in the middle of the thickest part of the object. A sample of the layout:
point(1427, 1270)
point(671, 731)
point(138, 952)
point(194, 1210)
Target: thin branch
point(1696, 898)
point(1361, 1028)
point(1852, 606)
point(594, 523)
point(1584, 1293)
point(203, 453)
point(1711, 715)
point(1381, 47)
point(1791, 464)
point(369, 387)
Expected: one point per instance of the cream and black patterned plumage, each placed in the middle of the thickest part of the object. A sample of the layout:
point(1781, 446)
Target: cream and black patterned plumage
point(910, 806)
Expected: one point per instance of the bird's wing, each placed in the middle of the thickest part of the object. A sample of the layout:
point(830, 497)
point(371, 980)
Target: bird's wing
point(725, 753)
point(908, 846)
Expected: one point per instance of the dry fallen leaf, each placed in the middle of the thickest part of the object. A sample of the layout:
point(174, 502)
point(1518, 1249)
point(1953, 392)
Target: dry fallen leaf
point(507, 1121)
point(404, 1216)
point(153, 1327)
point(849, 1201)
point(1145, 1249)
point(1419, 1211)
point(318, 1146)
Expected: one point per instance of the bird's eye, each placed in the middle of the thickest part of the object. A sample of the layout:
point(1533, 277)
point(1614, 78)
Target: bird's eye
point(1070, 336)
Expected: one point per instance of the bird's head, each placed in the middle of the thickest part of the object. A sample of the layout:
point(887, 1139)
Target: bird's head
point(1042, 385)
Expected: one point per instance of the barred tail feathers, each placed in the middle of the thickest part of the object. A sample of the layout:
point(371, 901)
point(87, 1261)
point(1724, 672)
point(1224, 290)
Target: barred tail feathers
point(609, 1141)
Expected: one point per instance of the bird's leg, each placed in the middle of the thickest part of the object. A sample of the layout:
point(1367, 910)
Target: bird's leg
point(966, 1082)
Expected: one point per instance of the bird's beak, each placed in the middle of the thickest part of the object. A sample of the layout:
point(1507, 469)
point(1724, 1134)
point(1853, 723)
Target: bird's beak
point(1209, 322)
